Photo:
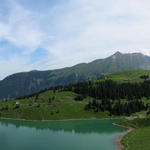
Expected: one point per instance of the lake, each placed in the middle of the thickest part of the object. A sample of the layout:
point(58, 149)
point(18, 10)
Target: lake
point(60, 135)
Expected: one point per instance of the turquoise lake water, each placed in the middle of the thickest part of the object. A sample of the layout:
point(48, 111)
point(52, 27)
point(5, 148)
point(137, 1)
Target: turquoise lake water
point(61, 135)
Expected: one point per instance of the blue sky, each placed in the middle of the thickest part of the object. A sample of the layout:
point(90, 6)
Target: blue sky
point(50, 34)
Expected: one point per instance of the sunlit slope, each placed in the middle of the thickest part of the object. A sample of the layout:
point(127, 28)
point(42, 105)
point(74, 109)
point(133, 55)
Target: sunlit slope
point(49, 105)
point(129, 76)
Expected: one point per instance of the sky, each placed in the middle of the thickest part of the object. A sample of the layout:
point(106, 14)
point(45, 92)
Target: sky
point(51, 34)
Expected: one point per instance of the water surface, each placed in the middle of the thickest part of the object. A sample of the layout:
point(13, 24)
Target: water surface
point(61, 135)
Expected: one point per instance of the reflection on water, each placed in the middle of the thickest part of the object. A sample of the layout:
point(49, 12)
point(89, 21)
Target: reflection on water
point(60, 135)
point(78, 126)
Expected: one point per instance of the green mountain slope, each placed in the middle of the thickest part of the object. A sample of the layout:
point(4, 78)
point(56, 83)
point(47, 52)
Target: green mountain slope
point(25, 83)
point(49, 105)
point(62, 103)
point(129, 76)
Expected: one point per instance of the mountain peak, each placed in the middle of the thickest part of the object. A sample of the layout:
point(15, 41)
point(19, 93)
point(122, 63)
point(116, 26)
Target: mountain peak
point(118, 53)
point(15, 86)
point(137, 53)
point(34, 70)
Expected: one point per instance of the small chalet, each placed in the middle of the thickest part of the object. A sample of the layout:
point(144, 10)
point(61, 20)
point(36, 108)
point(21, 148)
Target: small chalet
point(17, 102)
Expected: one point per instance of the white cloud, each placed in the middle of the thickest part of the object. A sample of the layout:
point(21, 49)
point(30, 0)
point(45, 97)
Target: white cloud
point(22, 29)
point(17, 64)
point(77, 31)
point(143, 51)
point(101, 28)
point(7, 67)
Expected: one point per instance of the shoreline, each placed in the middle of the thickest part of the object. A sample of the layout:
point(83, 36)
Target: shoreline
point(120, 137)
point(57, 120)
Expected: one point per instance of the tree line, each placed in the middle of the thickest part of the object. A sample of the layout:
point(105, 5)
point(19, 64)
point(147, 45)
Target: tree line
point(116, 108)
point(112, 90)
point(107, 95)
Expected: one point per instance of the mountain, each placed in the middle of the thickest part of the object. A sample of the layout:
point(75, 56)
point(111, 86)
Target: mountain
point(25, 83)
point(86, 100)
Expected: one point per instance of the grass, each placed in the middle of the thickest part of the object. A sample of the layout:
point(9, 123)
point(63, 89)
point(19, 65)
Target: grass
point(129, 76)
point(139, 138)
point(62, 107)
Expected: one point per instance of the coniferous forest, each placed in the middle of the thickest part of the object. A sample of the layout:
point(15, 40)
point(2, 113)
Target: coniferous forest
point(112, 90)
point(108, 96)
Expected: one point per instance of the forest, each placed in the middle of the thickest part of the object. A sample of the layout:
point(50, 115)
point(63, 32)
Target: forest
point(108, 96)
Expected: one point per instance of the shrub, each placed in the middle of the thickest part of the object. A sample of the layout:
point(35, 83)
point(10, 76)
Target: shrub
point(79, 98)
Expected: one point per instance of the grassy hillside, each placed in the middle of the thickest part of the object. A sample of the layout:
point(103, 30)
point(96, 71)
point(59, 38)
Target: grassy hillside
point(139, 138)
point(49, 106)
point(60, 105)
point(129, 76)
point(25, 83)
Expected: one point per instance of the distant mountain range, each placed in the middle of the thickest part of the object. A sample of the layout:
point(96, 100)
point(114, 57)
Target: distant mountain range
point(25, 83)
